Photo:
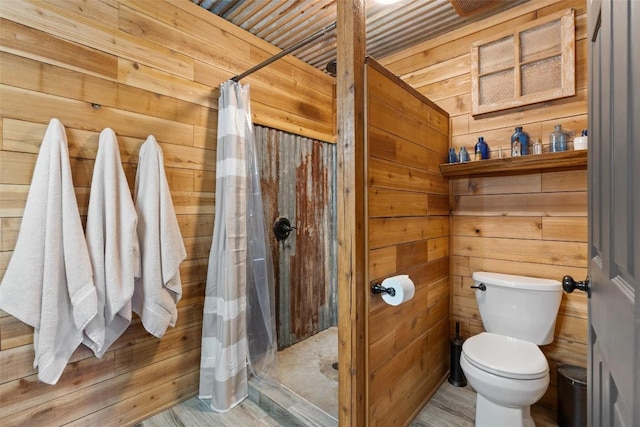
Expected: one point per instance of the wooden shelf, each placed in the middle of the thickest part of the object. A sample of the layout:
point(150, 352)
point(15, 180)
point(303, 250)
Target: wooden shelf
point(564, 159)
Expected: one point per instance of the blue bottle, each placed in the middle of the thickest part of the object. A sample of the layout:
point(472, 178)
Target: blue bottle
point(523, 138)
point(483, 148)
point(453, 157)
point(464, 155)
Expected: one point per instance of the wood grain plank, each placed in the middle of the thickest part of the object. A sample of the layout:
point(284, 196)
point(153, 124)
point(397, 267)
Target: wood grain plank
point(397, 203)
point(438, 204)
point(14, 333)
point(196, 225)
point(566, 229)
point(29, 74)
point(36, 107)
point(571, 254)
point(386, 117)
point(9, 228)
point(572, 328)
point(393, 231)
point(523, 268)
point(385, 174)
point(561, 181)
point(141, 406)
point(37, 45)
point(134, 357)
point(68, 26)
point(99, 11)
point(482, 226)
point(384, 145)
point(26, 392)
point(438, 248)
point(572, 204)
point(447, 69)
point(505, 184)
point(405, 98)
point(80, 403)
point(382, 262)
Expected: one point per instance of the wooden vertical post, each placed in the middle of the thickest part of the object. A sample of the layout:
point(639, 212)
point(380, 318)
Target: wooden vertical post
point(352, 259)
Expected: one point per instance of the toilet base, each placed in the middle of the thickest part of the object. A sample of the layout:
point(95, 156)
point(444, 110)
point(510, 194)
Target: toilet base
point(488, 412)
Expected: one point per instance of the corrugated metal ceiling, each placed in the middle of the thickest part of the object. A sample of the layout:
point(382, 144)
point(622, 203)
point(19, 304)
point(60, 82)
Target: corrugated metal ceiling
point(390, 28)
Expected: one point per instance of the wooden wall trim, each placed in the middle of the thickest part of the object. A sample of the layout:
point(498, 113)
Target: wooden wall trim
point(352, 256)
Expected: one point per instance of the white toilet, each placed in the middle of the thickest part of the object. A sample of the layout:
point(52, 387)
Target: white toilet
point(504, 365)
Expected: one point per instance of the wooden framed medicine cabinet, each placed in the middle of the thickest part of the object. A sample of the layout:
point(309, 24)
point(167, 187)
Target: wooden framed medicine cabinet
point(534, 63)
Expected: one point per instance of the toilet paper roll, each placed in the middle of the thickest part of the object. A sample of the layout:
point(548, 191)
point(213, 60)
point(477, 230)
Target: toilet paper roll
point(404, 289)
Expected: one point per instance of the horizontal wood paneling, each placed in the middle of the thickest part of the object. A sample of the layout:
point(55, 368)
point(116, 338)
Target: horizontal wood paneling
point(408, 233)
point(532, 224)
point(140, 68)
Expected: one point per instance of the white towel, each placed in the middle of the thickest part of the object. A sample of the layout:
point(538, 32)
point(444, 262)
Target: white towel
point(113, 246)
point(48, 283)
point(162, 250)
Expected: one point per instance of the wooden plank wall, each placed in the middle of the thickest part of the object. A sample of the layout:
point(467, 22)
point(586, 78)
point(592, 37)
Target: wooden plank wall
point(151, 67)
point(408, 233)
point(531, 224)
point(298, 177)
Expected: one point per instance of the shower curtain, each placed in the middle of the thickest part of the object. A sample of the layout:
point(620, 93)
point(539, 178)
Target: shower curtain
point(238, 326)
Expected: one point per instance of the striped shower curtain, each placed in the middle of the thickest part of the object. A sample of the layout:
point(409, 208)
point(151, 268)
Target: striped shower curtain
point(238, 326)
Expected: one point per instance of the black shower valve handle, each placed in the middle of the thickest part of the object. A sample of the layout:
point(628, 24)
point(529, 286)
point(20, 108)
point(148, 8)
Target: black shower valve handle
point(282, 228)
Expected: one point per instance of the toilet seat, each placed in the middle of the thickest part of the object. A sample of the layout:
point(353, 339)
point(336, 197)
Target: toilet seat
point(505, 356)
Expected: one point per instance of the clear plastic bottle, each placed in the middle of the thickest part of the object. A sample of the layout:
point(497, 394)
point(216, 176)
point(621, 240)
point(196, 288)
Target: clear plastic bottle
point(558, 140)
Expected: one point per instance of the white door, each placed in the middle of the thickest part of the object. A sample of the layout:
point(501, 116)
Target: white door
point(614, 212)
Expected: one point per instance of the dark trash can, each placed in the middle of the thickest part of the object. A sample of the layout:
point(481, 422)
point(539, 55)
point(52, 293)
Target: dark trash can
point(572, 396)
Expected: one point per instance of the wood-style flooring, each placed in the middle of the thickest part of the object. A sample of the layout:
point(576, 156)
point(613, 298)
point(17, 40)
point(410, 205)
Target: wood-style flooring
point(308, 372)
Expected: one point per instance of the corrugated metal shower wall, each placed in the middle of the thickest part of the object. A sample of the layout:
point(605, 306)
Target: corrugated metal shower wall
point(299, 182)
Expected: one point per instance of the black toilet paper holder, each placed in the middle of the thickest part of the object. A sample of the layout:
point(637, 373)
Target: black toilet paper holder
point(377, 288)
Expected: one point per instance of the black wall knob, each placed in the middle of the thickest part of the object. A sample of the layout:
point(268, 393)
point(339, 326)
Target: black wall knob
point(569, 285)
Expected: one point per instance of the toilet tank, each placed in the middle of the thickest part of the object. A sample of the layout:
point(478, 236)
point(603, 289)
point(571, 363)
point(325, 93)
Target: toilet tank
point(518, 306)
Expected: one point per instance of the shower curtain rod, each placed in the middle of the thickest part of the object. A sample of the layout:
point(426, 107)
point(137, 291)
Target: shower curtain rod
point(287, 51)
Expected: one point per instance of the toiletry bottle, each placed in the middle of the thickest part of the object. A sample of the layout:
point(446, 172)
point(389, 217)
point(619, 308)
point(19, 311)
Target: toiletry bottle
point(464, 155)
point(453, 157)
point(537, 147)
point(516, 148)
point(558, 140)
point(483, 148)
point(580, 143)
point(523, 137)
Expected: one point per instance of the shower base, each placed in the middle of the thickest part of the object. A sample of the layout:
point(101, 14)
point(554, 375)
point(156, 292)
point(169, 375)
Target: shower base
point(307, 392)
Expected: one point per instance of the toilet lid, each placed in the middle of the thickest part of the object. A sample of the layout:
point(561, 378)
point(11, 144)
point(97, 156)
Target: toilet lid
point(505, 356)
